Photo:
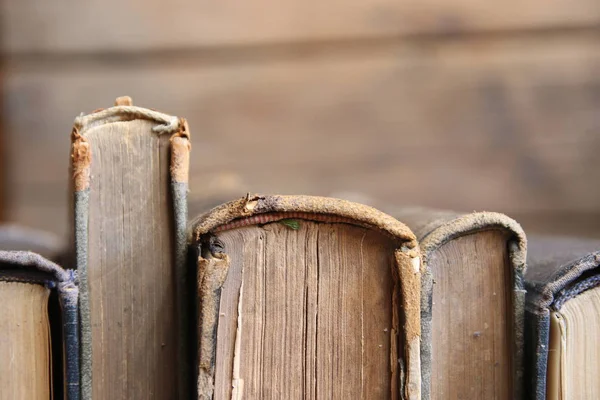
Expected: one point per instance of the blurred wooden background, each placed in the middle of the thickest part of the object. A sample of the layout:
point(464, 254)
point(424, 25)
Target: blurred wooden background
point(457, 104)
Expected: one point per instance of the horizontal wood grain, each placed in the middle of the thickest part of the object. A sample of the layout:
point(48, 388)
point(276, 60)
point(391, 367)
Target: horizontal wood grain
point(136, 25)
point(508, 125)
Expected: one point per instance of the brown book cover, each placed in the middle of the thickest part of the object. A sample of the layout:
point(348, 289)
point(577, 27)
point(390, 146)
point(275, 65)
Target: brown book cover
point(303, 296)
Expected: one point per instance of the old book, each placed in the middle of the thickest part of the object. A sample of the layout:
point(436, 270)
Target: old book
point(29, 348)
point(472, 304)
point(306, 297)
point(563, 318)
point(130, 180)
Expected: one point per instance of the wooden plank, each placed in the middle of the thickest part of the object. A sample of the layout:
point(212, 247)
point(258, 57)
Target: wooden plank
point(503, 125)
point(114, 25)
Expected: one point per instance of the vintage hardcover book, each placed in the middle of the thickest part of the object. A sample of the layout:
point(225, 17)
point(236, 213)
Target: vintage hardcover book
point(130, 179)
point(306, 297)
point(563, 318)
point(472, 304)
point(36, 361)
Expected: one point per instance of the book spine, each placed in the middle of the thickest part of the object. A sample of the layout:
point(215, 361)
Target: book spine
point(180, 159)
point(408, 263)
point(81, 161)
point(69, 294)
point(426, 327)
point(536, 352)
point(518, 305)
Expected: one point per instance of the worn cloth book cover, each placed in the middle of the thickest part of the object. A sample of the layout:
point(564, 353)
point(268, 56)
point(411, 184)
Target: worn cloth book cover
point(563, 318)
point(472, 303)
point(306, 297)
point(37, 361)
point(130, 181)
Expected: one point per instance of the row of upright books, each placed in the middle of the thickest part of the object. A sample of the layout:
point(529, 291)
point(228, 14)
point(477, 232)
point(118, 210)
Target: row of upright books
point(283, 297)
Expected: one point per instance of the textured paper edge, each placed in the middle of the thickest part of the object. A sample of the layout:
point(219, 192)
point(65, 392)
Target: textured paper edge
point(450, 226)
point(408, 260)
point(81, 159)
